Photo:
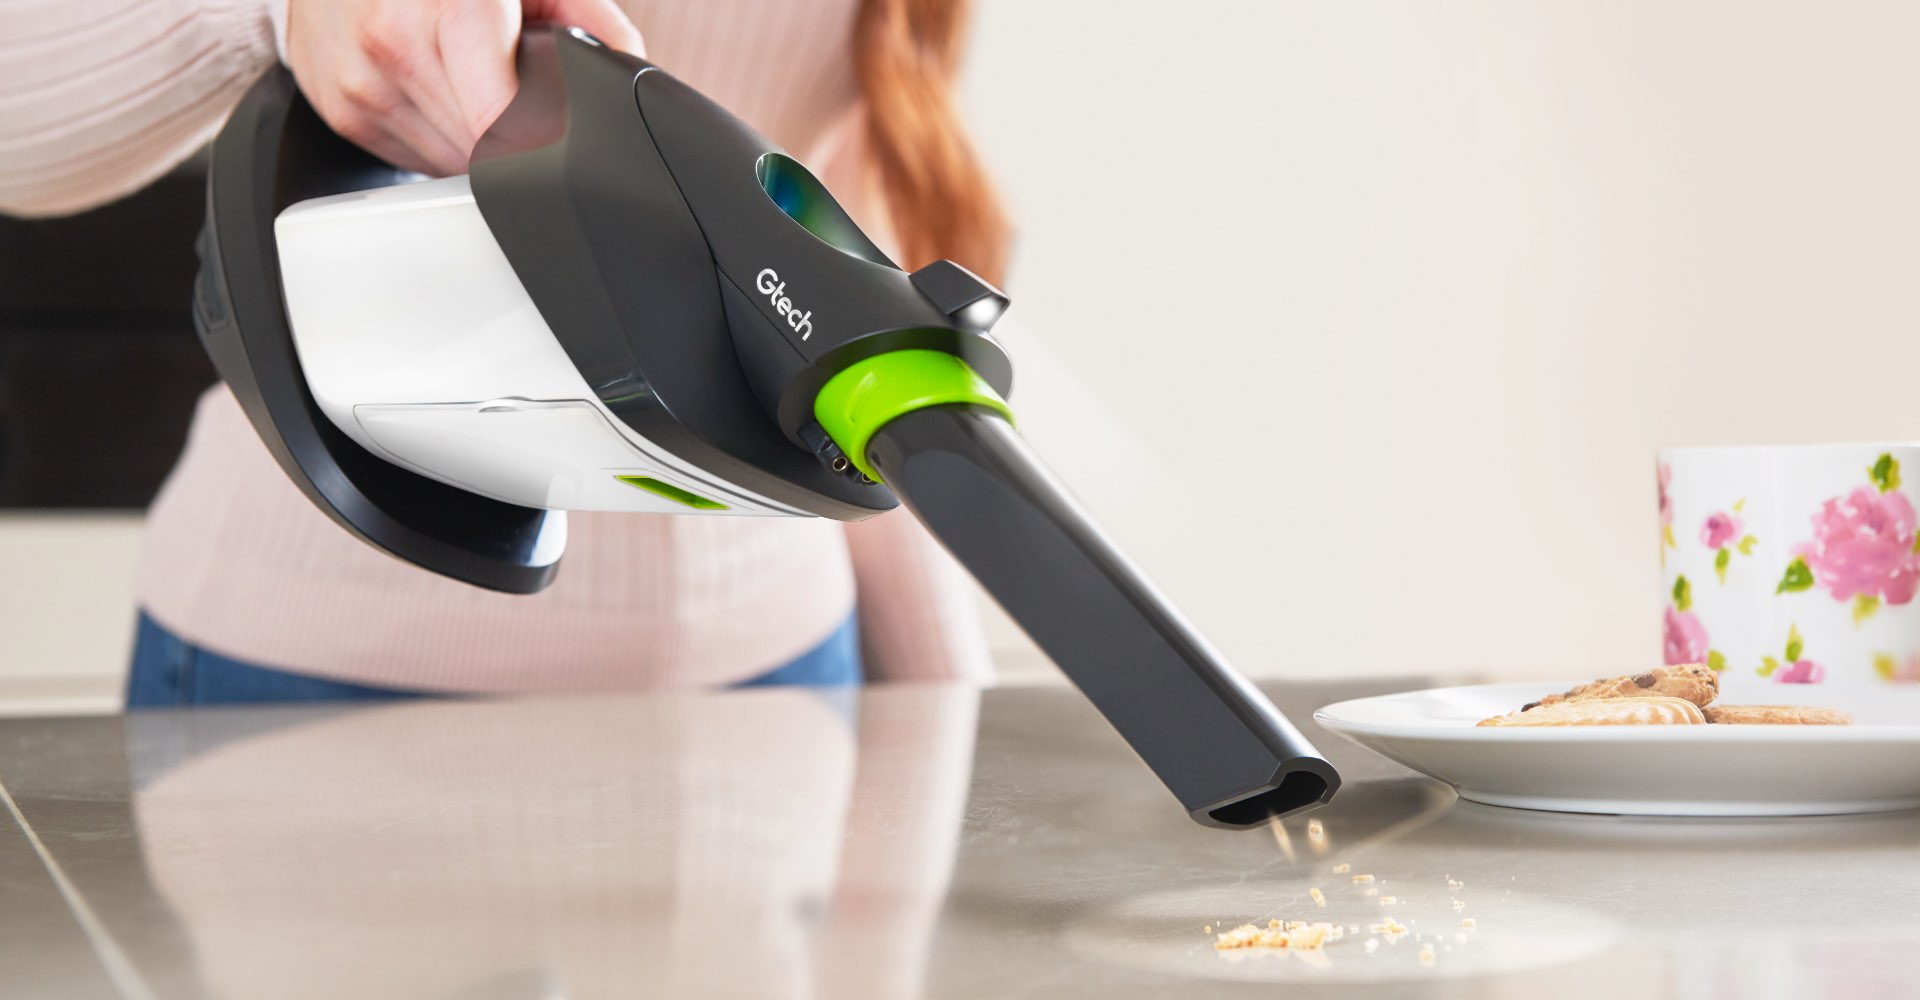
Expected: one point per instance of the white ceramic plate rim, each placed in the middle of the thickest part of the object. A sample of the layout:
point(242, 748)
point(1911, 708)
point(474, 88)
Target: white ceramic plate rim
point(1340, 718)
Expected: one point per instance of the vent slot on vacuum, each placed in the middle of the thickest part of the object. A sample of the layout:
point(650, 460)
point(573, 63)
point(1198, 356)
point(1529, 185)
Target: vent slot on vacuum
point(801, 197)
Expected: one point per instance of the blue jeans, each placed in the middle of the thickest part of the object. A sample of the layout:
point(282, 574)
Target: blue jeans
point(169, 672)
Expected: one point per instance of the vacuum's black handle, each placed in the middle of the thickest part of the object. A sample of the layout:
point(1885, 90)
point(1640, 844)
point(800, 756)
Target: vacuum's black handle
point(1216, 741)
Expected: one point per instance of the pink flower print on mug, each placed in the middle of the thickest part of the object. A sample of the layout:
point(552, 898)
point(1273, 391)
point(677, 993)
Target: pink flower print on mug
point(1801, 672)
point(1891, 668)
point(1814, 543)
point(1721, 528)
point(1721, 533)
point(1666, 511)
point(1796, 669)
point(1863, 546)
point(1686, 638)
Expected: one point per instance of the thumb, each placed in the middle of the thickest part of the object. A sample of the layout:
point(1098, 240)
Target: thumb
point(602, 18)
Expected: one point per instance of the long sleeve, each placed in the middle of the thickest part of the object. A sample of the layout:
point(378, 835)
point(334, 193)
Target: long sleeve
point(100, 97)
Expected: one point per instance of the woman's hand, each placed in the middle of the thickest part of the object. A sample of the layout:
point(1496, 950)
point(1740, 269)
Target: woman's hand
point(417, 81)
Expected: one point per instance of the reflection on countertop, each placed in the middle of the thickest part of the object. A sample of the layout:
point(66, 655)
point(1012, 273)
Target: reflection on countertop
point(766, 843)
point(901, 841)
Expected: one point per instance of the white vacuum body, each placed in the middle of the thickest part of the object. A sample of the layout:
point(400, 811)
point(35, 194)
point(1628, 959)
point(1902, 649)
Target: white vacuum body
point(420, 343)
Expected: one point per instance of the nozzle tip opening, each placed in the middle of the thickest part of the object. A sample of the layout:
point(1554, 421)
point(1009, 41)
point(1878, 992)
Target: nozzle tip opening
point(1299, 789)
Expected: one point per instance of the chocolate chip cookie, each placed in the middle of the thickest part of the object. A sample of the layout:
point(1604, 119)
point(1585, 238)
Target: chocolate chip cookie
point(1691, 682)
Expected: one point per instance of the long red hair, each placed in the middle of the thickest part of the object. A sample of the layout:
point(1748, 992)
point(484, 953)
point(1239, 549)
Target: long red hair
point(906, 54)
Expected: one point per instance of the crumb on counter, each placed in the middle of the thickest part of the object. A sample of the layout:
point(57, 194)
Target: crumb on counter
point(1294, 935)
point(1426, 954)
point(1389, 900)
point(1453, 883)
point(1467, 924)
point(1319, 898)
point(1388, 928)
point(1370, 892)
point(1342, 868)
point(1362, 879)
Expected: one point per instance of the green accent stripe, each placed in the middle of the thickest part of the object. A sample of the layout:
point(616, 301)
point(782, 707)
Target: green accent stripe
point(671, 492)
point(861, 399)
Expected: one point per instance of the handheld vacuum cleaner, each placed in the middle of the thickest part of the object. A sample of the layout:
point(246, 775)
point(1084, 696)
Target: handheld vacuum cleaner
point(633, 302)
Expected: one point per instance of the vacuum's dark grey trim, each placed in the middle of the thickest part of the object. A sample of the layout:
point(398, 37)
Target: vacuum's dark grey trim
point(960, 294)
point(1217, 742)
point(575, 190)
point(273, 152)
point(856, 303)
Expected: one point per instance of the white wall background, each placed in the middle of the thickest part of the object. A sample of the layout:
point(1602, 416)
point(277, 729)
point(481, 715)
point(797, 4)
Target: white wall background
point(66, 609)
point(1359, 323)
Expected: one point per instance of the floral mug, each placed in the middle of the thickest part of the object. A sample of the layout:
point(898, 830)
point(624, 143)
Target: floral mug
point(1794, 564)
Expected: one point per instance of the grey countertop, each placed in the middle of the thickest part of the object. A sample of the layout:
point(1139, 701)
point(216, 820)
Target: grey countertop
point(893, 842)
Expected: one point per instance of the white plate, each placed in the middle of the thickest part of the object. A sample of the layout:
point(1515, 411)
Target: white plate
point(1871, 766)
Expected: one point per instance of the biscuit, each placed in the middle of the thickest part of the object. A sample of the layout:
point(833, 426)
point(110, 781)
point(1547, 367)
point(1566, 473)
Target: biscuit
point(1655, 710)
point(1689, 681)
point(1777, 715)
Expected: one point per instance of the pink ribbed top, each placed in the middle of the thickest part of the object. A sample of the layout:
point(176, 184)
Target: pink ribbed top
point(98, 97)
